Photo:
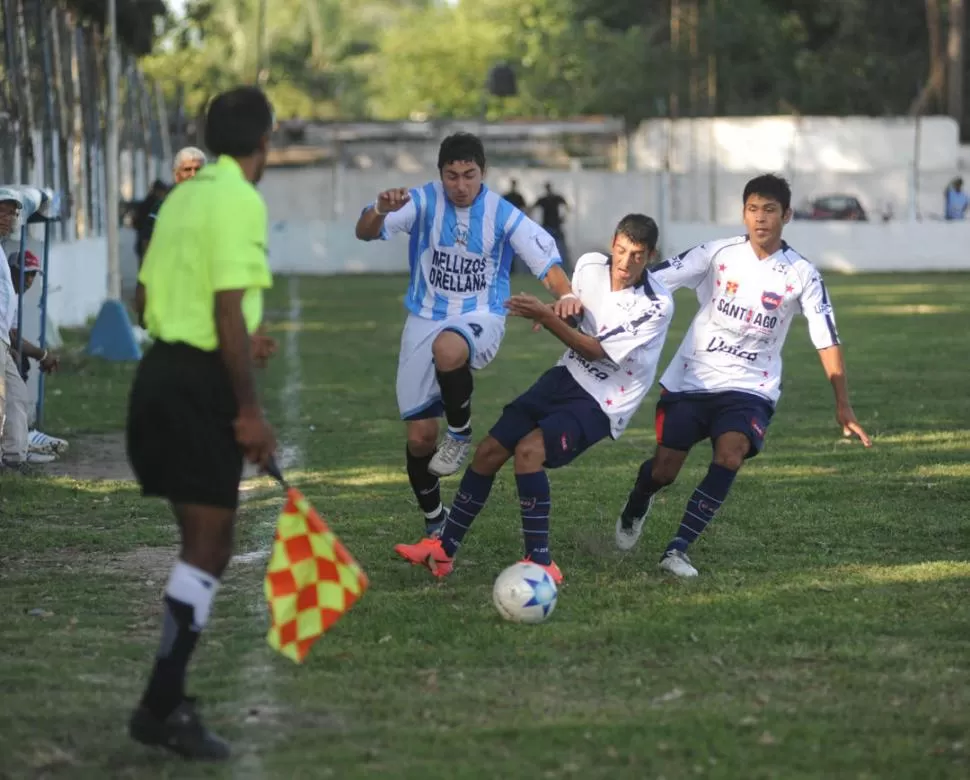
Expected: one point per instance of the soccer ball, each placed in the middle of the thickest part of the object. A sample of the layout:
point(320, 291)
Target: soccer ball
point(524, 593)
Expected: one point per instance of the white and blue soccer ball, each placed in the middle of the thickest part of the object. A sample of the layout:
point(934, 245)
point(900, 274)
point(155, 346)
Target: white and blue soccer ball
point(525, 593)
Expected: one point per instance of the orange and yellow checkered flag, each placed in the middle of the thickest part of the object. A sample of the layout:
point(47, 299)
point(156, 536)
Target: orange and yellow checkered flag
point(311, 581)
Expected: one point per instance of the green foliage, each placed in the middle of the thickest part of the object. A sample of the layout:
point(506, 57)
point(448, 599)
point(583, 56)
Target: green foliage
point(393, 59)
point(136, 20)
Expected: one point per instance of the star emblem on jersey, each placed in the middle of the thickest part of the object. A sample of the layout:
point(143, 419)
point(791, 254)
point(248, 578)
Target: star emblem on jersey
point(543, 594)
point(731, 288)
point(789, 288)
point(722, 267)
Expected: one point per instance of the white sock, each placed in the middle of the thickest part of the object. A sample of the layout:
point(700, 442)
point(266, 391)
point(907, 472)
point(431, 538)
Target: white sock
point(194, 587)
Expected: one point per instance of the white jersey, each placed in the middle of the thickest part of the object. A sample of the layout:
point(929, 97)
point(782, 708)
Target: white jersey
point(631, 325)
point(746, 308)
point(8, 300)
point(460, 258)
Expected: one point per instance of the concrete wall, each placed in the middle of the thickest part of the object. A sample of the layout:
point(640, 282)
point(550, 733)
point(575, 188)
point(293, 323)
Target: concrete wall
point(306, 206)
point(77, 283)
point(330, 247)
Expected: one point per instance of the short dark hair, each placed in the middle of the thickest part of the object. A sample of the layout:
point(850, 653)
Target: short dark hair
point(461, 147)
point(768, 185)
point(640, 229)
point(237, 120)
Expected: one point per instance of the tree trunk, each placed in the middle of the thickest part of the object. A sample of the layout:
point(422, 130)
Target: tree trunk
point(954, 56)
point(937, 78)
point(64, 157)
point(27, 100)
point(81, 190)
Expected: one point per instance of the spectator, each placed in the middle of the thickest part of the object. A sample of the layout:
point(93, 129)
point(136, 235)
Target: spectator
point(188, 162)
point(19, 444)
point(10, 205)
point(513, 196)
point(956, 201)
point(144, 217)
point(552, 205)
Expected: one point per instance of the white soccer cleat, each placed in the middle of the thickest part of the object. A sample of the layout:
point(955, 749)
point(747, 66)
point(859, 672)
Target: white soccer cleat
point(40, 457)
point(41, 442)
point(677, 562)
point(450, 456)
point(627, 538)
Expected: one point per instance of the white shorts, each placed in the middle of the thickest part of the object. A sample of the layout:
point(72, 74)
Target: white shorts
point(418, 394)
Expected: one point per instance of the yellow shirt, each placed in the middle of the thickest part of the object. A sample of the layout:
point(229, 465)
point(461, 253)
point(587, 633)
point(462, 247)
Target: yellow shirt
point(210, 236)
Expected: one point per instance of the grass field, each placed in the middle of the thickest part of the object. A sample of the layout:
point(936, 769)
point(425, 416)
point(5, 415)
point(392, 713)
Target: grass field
point(828, 635)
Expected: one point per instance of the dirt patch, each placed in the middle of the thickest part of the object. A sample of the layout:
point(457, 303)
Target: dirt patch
point(93, 457)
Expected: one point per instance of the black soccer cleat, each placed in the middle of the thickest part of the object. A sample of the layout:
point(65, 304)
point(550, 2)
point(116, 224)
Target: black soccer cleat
point(182, 732)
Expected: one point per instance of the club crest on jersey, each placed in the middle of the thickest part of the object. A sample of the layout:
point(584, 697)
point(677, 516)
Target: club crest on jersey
point(770, 300)
point(461, 235)
point(731, 288)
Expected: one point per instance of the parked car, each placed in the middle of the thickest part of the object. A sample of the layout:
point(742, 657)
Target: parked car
point(841, 207)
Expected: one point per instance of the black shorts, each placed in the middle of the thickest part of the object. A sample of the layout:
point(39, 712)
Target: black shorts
point(181, 441)
point(570, 419)
point(683, 419)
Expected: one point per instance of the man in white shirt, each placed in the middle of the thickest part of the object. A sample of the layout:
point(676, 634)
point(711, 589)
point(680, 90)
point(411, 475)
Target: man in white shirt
point(19, 443)
point(725, 379)
point(10, 205)
point(590, 395)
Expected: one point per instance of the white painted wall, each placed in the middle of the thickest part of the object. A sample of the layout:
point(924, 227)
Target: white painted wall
point(792, 144)
point(307, 207)
point(857, 248)
point(330, 247)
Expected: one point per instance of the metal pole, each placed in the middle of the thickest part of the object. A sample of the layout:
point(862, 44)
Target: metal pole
point(20, 292)
point(43, 323)
point(111, 156)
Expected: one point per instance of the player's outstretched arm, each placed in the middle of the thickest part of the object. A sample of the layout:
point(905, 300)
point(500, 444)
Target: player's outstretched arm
point(834, 366)
point(567, 303)
point(530, 307)
point(371, 221)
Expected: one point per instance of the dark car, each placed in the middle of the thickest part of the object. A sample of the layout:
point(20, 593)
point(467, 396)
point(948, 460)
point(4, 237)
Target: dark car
point(841, 207)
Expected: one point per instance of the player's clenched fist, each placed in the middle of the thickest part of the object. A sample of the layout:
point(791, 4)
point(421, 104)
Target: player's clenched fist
point(392, 200)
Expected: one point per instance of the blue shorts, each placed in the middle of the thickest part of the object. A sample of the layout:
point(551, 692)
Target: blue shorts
point(570, 419)
point(683, 419)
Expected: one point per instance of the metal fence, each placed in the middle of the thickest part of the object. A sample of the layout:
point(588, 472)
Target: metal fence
point(53, 113)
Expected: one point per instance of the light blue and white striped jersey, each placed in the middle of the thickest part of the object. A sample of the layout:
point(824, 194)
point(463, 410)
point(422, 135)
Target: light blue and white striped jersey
point(460, 258)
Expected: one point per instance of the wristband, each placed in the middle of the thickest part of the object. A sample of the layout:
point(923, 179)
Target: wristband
point(568, 295)
point(378, 211)
point(43, 357)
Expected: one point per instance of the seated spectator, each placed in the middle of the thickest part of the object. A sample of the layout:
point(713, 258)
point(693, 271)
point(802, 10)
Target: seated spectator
point(19, 444)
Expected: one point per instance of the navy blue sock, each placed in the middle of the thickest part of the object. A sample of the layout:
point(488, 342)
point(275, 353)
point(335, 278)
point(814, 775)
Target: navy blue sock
point(703, 505)
point(642, 491)
point(469, 501)
point(534, 502)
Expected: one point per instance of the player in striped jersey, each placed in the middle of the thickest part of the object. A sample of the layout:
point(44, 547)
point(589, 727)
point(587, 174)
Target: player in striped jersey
point(462, 238)
point(725, 379)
